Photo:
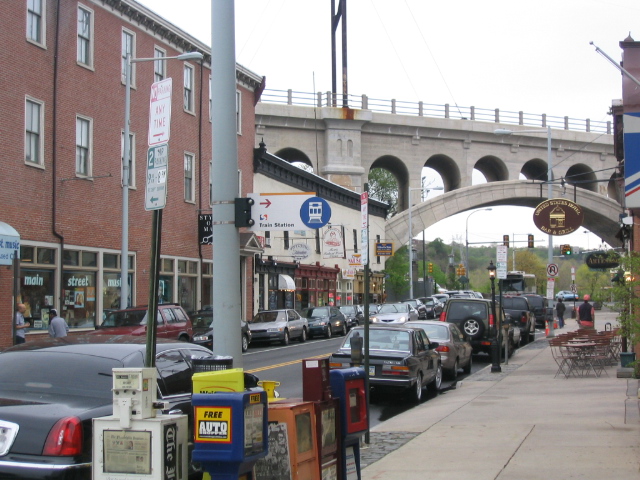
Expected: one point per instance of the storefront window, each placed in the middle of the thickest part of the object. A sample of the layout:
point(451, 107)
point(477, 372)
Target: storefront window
point(79, 296)
point(188, 293)
point(165, 289)
point(207, 284)
point(37, 292)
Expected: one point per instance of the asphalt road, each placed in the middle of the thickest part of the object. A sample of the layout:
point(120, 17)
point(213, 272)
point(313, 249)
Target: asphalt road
point(283, 364)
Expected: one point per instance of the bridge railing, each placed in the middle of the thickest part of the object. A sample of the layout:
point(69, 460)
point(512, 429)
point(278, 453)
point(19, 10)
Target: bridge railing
point(422, 109)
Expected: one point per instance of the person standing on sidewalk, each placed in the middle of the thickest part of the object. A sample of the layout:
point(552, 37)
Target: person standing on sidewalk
point(57, 326)
point(586, 313)
point(21, 324)
point(560, 308)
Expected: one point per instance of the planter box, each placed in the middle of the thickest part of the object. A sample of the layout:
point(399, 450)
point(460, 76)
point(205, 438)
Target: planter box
point(626, 358)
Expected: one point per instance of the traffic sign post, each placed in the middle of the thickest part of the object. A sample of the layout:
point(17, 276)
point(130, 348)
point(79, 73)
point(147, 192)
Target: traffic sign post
point(155, 197)
point(160, 112)
point(552, 270)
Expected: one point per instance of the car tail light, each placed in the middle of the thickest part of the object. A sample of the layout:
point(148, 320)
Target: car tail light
point(443, 316)
point(395, 370)
point(443, 349)
point(65, 438)
point(523, 319)
point(491, 320)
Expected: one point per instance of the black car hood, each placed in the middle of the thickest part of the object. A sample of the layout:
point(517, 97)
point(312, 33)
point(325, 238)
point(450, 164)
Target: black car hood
point(36, 416)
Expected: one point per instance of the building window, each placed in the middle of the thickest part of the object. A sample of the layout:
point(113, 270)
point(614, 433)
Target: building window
point(188, 88)
point(238, 113)
point(128, 44)
point(132, 162)
point(35, 21)
point(355, 241)
point(286, 240)
point(159, 66)
point(85, 37)
point(33, 132)
point(189, 190)
point(83, 147)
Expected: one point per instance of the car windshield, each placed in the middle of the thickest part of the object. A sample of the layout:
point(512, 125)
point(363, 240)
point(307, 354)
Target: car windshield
point(269, 316)
point(399, 341)
point(429, 303)
point(125, 318)
point(411, 302)
point(389, 308)
point(48, 374)
point(201, 321)
point(348, 309)
point(315, 312)
point(436, 332)
point(514, 303)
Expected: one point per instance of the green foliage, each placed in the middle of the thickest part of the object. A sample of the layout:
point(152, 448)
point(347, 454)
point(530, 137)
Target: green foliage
point(383, 186)
point(592, 282)
point(528, 262)
point(397, 271)
point(626, 298)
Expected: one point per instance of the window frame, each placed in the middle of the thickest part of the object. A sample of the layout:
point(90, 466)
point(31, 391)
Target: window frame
point(42, 23)
point(89, 40)
point(189, 191)
point(132, 159)
point(88, 147)
point(188, 93)
point(40, 133)
point(127, 34)
point(159, 66)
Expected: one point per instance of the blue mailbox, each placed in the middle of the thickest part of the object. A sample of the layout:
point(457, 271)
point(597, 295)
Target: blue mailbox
point(348, 385)
point(230, 432)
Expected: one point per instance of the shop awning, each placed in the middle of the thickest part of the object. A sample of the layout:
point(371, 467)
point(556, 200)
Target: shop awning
point(285, 282)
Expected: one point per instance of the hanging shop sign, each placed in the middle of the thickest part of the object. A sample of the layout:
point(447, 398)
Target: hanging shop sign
point(558, 216)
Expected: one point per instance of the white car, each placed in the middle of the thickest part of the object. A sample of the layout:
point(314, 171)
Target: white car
point(394, 313)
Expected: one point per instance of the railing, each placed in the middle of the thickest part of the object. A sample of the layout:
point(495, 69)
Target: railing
point(421, 109)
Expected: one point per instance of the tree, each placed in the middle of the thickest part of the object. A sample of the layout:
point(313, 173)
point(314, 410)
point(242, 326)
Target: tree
point(529, 262)
point(397, 270)
point(592, 282)
point(626, 300)
point(383, 186)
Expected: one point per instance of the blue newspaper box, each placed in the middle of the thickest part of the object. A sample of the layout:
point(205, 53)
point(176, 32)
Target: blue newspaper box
point(230, 432)
point(348, 385)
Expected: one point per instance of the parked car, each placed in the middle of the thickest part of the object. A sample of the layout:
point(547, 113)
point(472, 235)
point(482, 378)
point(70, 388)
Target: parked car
point(51, 389)
point(471, 316)
point(455, 351)
point(394, 313)
point(400, 358)
point(541, 308)
point(418, 307)
point(172, 322)
point(203, 333)
point(354, 315)
point(326, 321)
point(433, 305)
point(567, 295)
point(278, 325)
point(522, 316)
point(441, 297)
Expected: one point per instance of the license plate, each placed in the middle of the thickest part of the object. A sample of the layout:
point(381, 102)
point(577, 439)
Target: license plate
point(372, 371)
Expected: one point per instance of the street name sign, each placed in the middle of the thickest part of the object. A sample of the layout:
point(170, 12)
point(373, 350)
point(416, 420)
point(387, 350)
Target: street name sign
point(160, 112)
point(155, 195)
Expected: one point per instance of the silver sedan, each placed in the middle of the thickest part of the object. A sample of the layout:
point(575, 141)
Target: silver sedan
point(455, 351)
point(394, 313)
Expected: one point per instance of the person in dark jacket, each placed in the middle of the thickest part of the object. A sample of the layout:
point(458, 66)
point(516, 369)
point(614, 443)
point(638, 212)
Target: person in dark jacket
point(586, 313)
point(560, 309)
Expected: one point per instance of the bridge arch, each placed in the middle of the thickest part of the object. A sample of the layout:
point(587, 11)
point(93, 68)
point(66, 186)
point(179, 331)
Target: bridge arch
point(448, 170)
point(292, 155)
point(535, 169)
point(601, 214)
point(493, 169)
point(582, 176)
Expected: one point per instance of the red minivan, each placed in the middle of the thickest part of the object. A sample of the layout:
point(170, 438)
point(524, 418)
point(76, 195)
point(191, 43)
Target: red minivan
point(173, 322)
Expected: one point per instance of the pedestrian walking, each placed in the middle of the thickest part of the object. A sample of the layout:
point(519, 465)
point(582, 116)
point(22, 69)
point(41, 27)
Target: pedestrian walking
point(21, 324)
point(57, 325)
point(560, 309)
point(586, 313)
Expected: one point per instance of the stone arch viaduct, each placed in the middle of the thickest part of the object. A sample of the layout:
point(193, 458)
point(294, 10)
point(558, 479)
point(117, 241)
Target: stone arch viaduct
point(344, 144)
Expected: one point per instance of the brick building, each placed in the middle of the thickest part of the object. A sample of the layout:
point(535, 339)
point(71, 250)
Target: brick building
point(62, 100)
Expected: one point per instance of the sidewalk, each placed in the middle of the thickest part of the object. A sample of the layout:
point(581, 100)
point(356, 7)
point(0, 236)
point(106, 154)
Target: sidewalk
point(519, 424)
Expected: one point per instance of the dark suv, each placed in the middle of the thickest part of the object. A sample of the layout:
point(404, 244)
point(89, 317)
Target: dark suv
point(541, 308)
point(522, 316)
point(471, 316)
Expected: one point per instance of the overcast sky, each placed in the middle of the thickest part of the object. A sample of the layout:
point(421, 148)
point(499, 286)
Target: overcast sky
point(506, 54)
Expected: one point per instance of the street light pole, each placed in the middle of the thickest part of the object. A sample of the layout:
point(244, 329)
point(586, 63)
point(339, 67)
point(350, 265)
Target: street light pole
point(411, 235)
point(124, 252)
point(466, 258)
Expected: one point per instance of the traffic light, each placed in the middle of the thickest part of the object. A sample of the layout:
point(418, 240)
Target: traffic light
point(505, 240)
point(565, 249)
point(430, 267)
point(529, 241)
point(243, 212)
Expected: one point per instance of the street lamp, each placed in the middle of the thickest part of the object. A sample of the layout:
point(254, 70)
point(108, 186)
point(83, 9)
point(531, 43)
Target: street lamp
point(493, 322)
point(124, 253)
point(466, 258)
point(411, 236)
point(502, 131)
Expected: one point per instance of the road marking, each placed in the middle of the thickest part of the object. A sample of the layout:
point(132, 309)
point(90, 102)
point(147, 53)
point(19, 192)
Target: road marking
point(278, 365)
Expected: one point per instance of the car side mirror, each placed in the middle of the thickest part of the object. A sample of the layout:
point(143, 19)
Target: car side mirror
point(433, 345)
